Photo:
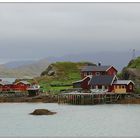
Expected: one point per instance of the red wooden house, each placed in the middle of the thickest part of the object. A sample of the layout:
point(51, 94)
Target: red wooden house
point(5, 86)
point(103, 78)
point(106, 83)
point(98, 70)
point(21, 86)
point(123, 86)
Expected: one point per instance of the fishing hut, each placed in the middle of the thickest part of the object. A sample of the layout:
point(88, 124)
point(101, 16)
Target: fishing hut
point(33, 90)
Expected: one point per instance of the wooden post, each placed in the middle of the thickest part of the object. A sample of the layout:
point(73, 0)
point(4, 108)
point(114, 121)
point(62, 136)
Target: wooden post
point(99, 100)
point(74, 96)
point(82, 99)
point(92, 99)
point(64, 98)
point(105, 98)
point(72, 99)
point(68, 99)
point(79, 99)
point(58, 99)
point(76, 99)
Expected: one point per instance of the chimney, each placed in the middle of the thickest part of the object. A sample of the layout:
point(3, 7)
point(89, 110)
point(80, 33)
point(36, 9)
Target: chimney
point(99, 64)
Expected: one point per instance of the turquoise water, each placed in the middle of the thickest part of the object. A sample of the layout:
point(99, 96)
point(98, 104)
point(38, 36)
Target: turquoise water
point(70, 120)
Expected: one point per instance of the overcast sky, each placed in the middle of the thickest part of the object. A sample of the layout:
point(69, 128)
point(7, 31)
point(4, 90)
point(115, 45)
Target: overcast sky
point(38, 30)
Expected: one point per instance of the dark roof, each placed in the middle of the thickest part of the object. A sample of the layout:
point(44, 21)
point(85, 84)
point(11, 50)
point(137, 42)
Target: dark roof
point(79, 81)
point(123, 82)
point(102, 80)
point(24, 82)
point(95, 68)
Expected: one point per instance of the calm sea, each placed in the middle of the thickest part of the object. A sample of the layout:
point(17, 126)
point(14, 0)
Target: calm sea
point(70, 120)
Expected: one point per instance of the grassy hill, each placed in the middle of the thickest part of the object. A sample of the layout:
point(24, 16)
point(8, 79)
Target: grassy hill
point(135, 63)
point(132, 70)
point(60, 75)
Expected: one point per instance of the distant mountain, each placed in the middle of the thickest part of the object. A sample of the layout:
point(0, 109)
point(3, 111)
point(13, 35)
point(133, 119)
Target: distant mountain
point(118, 59)
point(23, 69)
point(34, 68)
point(15, 64)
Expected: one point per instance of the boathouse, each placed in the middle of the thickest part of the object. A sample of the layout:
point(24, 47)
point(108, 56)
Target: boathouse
point(21, 86)
point(5, 86)
point(33, 90)
point(123, 86)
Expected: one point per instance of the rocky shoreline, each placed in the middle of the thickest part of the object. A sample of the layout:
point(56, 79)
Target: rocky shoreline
point(39, 98)
point(54, 99)
point(129, 101)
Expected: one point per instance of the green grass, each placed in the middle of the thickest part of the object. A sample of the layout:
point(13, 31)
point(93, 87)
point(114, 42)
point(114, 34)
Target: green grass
point(67, 72)
point(135, 63)
point(137, 90)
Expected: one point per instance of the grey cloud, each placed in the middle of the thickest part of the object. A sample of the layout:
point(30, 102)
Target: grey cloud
point(36, 30)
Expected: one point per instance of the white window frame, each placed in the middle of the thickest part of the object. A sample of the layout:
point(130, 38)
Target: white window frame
point(89, 73)
point(97, 73)
point(85, 73)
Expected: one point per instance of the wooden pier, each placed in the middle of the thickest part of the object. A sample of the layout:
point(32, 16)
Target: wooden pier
point(90, 98)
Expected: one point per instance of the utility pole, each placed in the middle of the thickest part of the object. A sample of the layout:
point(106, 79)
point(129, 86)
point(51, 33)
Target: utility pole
point(133, 54)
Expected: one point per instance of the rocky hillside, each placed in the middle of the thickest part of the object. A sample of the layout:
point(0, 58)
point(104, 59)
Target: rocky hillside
point(132, 71)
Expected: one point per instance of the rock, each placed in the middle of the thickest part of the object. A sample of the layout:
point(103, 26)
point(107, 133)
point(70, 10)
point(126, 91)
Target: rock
point(42, 112)
point(50, 71)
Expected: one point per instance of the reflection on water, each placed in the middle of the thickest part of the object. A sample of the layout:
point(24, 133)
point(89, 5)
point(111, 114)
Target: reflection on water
point(70, 120)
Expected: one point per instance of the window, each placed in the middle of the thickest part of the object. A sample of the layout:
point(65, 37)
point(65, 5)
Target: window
point(123, 86)
point(100, 87)
point(85, 74)
point(89, 73)
point(131, 87)
point(97, 73)
point(119, 86)
point(96, 87)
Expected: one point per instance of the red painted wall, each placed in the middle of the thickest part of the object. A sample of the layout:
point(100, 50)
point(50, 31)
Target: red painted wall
point(84, 84)
point(128, 88)
point(14, 87)
point(110, 88)
point(20, 87)
point(111, 71)
point(6, 87)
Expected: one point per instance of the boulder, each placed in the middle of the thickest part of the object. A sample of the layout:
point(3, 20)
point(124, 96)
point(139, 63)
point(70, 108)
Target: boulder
point(42, 112)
